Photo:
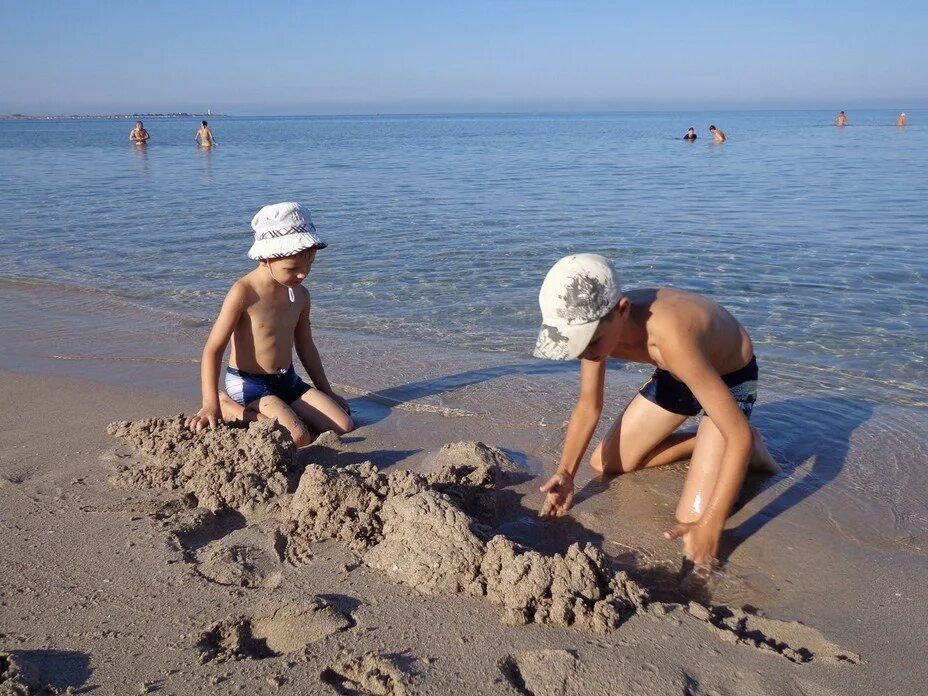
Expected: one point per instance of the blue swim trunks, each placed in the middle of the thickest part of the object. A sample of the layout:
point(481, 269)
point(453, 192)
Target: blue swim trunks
point(672, 395)
point(245, 387)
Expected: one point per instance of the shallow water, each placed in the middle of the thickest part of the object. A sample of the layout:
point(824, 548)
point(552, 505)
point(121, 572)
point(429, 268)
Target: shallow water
point(441, 228)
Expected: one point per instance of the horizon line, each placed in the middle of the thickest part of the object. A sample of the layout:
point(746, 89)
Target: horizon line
point(17, 115)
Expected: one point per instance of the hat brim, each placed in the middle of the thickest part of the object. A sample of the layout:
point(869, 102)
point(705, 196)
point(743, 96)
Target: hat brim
point(288, 245)
point(564, 342)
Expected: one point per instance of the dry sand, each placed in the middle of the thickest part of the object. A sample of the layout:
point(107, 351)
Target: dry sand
point(157, 562)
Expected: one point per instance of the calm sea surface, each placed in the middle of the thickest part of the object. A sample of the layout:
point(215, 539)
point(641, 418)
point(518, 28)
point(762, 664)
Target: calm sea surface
point(443, 227)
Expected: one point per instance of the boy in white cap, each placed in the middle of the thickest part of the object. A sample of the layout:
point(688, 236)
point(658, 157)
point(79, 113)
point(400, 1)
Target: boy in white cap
point(705, 364)
point(266, 315)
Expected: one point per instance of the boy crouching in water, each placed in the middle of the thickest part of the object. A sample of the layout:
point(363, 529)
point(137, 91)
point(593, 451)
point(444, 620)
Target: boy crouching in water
point(266, 314)
point(705, 364)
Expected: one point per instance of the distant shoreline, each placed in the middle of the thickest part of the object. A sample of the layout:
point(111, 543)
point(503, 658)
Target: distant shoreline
point(93, 117)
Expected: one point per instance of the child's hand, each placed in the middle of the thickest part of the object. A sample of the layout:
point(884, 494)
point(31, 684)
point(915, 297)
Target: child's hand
point(700, 542)
point(206, 417)
point(341, 401)
point(560, 490)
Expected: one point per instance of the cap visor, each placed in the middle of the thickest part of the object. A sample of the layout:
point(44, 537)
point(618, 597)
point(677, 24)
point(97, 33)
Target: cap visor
point(564, 342)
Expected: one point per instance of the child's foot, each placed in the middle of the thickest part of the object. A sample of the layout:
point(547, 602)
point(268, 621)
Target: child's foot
point(761, 459)
point(231, 410)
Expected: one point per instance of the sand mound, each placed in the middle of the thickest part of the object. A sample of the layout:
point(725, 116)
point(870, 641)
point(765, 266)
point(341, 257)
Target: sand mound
point(564, 589)
point(369, 673)
point(285, 630)
point(235, 465)
point(541, 672)
point(470, 473)
point(403, 525)
point(422, 531)
point(428, 544)
point(343, 503)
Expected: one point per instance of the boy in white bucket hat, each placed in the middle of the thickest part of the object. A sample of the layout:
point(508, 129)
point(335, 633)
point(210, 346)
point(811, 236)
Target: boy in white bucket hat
point(705, 364)
point(266, 315)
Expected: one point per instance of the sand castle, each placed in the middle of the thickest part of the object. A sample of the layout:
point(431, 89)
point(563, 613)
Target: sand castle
point(432, 532)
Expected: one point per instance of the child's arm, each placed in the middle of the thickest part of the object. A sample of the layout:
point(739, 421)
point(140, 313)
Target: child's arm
point(233, 306)
point(580, 428)
point(701, 538)
point(309, 356)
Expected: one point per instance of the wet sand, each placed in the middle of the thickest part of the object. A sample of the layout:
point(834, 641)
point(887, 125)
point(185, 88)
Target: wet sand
point(121, 587)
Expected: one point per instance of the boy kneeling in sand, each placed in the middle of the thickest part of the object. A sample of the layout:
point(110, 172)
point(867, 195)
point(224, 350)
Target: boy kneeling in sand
point(705, 364)
point(266, 314)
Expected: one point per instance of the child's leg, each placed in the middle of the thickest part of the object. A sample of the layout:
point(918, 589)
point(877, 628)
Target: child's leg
point(322, 413)
point(232, 410)
point(703, 472)
point(274, 407)
point(643, 436)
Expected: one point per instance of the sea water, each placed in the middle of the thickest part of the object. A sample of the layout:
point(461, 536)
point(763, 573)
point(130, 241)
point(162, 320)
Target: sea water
point(442, 227)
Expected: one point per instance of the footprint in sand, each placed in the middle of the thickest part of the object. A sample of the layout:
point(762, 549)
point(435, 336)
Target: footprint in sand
point(283, 630)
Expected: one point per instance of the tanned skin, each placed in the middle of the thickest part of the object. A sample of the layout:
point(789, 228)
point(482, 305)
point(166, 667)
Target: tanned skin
point(139, 134)
point(265, 327)
point(697, 341)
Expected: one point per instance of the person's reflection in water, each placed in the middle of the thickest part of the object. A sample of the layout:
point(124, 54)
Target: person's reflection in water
point(206, 157)
point(141, 160)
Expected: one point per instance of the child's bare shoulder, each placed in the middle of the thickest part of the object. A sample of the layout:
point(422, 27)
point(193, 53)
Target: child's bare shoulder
point(243, 291)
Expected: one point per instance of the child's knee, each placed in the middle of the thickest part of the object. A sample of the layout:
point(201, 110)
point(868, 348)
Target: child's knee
point(300, 434)
point(344, 425)
point(606, 461)
point(596, 460)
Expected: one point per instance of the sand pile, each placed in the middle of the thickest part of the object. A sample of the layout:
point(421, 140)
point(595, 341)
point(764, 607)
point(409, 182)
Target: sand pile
point(413, 529)
point(423, 531)
point(571, 589)
point(470, 473)
point(428, 544)
point(343, 503)
point(369, 673)
point(234, 465)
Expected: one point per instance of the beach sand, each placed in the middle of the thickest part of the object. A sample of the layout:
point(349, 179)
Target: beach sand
point(123, 573)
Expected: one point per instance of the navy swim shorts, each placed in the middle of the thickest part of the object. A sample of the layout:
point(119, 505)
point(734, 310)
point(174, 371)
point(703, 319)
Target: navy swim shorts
point(245, 387)
point(672, 395)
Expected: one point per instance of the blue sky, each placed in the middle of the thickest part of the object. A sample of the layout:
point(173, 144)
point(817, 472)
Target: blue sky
point(348, 56)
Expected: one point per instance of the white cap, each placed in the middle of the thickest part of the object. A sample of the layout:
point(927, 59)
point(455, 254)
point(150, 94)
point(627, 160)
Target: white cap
point(283, 229)
point(578, 291)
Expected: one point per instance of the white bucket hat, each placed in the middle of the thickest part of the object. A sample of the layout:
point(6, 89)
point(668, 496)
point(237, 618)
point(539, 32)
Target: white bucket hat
point(578, 291)
point(283, 229)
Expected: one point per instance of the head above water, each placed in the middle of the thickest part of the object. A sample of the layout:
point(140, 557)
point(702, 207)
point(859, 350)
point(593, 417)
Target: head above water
point(712, 128)
point(203, 123)
point(577, 294)
point(138, 124)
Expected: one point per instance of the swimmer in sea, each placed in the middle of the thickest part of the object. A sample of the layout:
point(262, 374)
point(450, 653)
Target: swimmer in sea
point(717, 134)
point(204, 136)
point(704, 365)
point(902, 120)
point(139, 134)
point(690, 134)
point(841, 119)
